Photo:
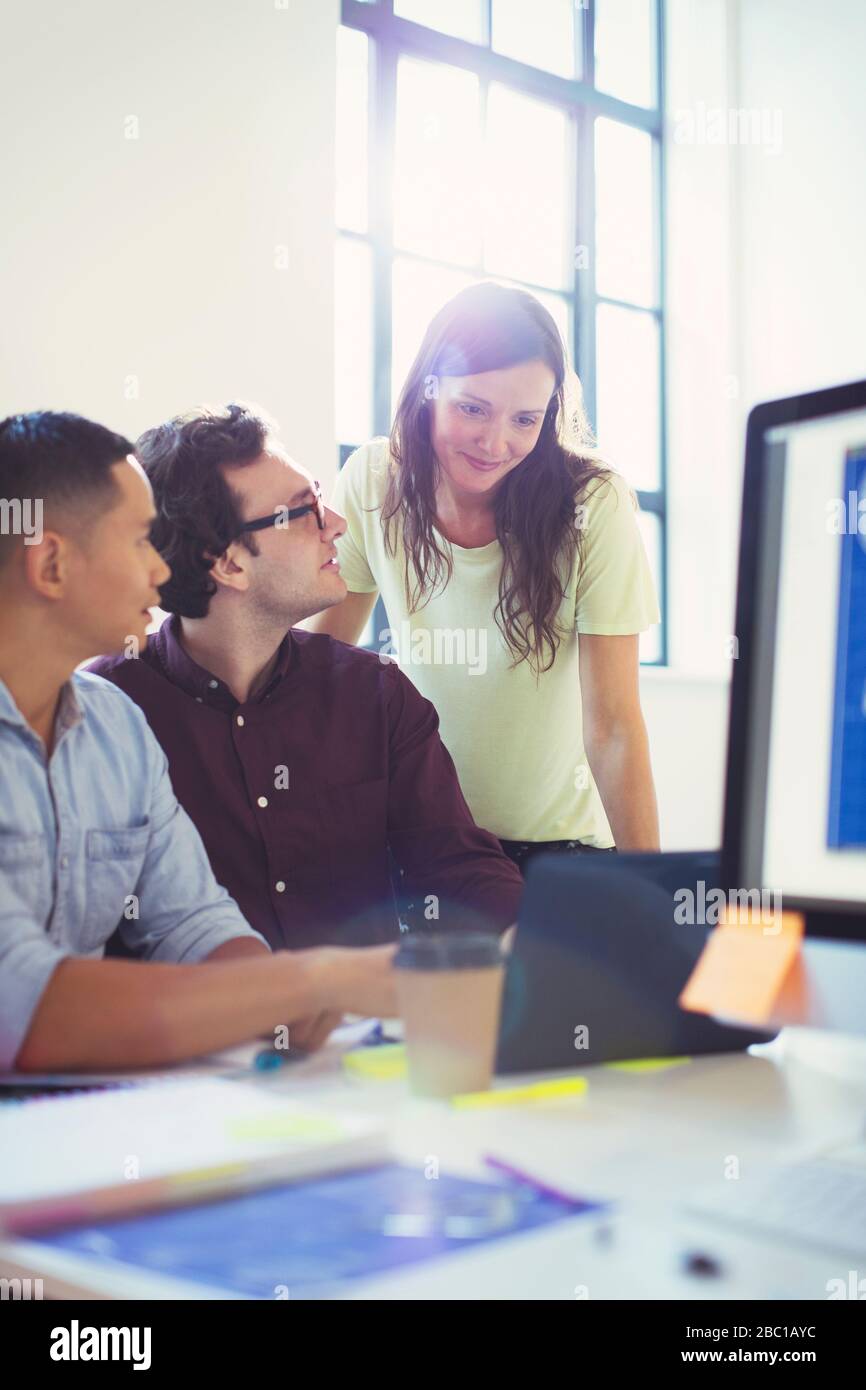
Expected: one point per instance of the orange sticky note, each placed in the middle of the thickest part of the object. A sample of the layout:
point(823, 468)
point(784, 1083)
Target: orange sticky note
point(743, 966)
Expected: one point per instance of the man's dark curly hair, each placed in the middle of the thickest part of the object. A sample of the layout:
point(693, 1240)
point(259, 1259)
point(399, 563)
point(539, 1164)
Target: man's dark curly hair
point(197, 511)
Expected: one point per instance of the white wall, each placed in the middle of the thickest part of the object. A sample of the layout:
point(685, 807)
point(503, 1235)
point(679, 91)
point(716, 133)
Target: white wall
point(803, 213)
point(141, 276)
point(766, 297)
point(704, 444)
point(686, 707)
point(687, 721)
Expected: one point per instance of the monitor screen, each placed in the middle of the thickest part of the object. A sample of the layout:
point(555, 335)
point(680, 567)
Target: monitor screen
point(801, 819)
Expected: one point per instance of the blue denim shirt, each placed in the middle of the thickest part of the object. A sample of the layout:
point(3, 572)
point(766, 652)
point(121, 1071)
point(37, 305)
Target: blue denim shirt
point(90, 841)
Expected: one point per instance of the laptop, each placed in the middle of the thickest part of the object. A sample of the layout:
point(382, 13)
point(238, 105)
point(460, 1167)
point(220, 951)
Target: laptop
point(600, 958)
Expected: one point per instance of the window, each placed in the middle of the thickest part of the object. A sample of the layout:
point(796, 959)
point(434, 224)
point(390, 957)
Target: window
point(517, 141)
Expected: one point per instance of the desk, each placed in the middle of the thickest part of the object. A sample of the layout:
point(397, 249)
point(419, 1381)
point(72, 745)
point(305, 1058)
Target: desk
point(642, 1139)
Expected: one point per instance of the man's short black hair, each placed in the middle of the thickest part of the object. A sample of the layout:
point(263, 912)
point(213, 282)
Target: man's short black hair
point(59, 461)
point(197, 512)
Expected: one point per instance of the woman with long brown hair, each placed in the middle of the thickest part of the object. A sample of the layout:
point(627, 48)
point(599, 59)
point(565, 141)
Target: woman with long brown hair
point(514, 576)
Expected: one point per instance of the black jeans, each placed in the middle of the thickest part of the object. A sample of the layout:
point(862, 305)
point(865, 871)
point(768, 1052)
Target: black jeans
point(521, 851)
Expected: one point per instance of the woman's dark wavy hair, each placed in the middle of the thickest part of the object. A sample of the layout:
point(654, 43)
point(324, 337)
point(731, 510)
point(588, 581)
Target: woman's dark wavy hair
point(198, 516)
point(483, 328)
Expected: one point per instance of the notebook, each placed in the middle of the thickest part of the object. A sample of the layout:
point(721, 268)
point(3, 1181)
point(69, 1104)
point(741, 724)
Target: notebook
point(82, 1157)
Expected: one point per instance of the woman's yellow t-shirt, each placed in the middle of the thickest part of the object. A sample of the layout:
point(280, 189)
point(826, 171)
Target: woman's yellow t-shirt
point(516, 741)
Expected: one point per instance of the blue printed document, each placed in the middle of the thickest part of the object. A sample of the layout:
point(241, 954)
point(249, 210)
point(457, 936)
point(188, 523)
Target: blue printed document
point(316, 1239)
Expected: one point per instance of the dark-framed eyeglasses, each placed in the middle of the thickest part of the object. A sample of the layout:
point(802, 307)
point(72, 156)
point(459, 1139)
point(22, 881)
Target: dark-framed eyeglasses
point(282, 515)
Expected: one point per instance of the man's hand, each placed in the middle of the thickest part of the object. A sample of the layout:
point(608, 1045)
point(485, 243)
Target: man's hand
point(308, 1034)
point(357, 980)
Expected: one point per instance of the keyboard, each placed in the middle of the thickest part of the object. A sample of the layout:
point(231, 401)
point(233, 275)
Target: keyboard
point(819, 1202)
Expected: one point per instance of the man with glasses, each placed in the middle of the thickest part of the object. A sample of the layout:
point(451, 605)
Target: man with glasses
point(310, 767)
point(91, 834)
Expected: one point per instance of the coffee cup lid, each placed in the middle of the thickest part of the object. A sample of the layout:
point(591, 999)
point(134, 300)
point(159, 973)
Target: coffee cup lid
point(448, 951)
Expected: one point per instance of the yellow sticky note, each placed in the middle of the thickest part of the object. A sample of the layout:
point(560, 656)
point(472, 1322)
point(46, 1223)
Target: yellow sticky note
point(639, 1064)
point(219, 1173)
point(284, 1127)
point(522, 1095)
point(387, 1063)
point(743, 965)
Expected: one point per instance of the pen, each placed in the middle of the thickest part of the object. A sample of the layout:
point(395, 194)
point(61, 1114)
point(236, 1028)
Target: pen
point(266, 1060)
point(544, 1189)
point(269, 1058)
point(376, 1036)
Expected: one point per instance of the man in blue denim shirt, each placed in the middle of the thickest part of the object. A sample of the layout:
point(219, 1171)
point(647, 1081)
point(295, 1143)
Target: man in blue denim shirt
point(91, 835)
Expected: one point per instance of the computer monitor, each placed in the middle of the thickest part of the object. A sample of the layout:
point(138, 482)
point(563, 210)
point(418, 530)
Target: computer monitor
point(795, 805)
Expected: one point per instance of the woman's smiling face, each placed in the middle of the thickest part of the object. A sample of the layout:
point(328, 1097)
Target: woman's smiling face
point(483, 426)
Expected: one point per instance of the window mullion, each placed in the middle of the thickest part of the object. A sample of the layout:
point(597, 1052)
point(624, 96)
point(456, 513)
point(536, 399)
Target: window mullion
point(381, 172)
point(584, 261)
point(661, 235)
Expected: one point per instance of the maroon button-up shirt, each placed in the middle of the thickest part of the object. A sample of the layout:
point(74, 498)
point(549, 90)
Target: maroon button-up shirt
point(298, 792)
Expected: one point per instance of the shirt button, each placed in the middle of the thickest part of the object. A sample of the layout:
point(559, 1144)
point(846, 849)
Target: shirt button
point(280, 886)
point(263, 801)
point(213, 684)
point(199, 700)
point(240, 721)
point(64, 861)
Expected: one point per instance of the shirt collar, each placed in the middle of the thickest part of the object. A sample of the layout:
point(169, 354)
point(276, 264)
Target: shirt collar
point(9, 711)
point(202, 685)
point(69, 711)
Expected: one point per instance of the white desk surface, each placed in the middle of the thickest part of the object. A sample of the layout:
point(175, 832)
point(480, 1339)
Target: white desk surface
point(644, 1140)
